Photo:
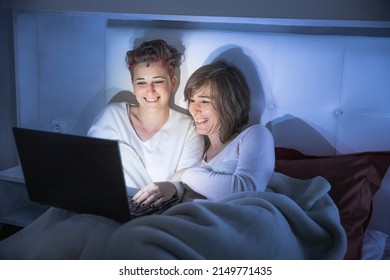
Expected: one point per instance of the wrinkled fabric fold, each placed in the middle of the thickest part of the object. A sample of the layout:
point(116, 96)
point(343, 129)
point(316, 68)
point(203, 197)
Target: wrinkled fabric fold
point(292, 219)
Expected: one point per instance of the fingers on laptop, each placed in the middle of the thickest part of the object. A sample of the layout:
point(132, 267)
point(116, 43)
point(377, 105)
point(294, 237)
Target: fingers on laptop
point(148, 195)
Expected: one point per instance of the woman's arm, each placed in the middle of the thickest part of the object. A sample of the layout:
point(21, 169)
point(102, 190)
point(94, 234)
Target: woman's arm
point(192, 150)
point(255, 165)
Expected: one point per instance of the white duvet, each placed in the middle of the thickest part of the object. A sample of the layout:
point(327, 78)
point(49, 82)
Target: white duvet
point(292, 219)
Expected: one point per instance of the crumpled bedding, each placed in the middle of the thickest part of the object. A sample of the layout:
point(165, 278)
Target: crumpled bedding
point(292, 219)
point(376, 245)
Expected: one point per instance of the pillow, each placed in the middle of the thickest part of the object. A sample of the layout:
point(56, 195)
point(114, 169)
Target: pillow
point(354, 178)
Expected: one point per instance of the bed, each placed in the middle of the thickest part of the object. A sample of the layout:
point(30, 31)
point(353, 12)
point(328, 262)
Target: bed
point(310, 210)
point(325, 100)
point(315, 207)
point(355, 179)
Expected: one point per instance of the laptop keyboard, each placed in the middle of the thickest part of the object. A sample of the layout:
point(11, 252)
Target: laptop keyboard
point(137, 211)
point(132, 206)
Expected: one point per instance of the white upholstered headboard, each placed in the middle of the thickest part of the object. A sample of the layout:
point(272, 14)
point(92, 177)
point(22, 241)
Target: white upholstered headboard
point(339, 86)
point(320, 94)
point(332, 95)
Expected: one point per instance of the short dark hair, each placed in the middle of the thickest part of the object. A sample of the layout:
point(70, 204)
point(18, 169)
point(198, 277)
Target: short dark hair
point(229, 92)
point(154, 51)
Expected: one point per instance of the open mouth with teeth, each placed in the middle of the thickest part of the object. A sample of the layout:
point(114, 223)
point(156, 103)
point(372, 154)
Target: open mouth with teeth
point(200, 121)
point(151, 100)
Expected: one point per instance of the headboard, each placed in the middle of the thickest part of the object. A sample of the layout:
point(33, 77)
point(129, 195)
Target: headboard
point(332, 96)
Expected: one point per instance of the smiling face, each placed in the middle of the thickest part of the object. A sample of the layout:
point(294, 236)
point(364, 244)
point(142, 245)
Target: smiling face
point(152, 85)
point(203, 112)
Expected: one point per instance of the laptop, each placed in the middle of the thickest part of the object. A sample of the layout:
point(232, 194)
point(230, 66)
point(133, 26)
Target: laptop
point(78, 173)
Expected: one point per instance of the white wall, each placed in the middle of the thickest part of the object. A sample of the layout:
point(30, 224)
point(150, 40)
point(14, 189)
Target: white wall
point(60, 68)
point(314, 88)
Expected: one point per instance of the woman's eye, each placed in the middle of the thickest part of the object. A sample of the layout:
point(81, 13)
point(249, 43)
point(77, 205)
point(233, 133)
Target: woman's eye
point(158, 82)
point(141, 83)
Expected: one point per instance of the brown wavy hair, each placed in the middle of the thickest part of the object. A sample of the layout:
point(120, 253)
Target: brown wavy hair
point(230, 95)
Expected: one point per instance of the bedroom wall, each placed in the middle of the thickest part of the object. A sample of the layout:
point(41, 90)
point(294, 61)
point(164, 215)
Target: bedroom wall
point(7, 91)
point(376, 10)
point(321, 88)
point(311, 89)
point(60, 71)
point(302, 16)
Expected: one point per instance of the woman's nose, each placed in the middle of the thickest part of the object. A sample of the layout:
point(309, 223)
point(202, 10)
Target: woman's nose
point(193, 108)
point(150, 87)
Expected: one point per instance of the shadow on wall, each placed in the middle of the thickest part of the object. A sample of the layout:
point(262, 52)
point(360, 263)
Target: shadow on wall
point(236, 56)
point(124, 96)
point(291, 132)
point(93, 108)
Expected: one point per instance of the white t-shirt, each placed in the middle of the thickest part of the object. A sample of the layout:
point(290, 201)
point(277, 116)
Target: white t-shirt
point(177, 145)
point(245, 164)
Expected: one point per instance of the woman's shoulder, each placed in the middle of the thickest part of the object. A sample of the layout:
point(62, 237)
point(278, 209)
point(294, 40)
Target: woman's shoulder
point(115, 107)
point(256, 129)
point(255, 133)
point(112, 111)
point(180, 116)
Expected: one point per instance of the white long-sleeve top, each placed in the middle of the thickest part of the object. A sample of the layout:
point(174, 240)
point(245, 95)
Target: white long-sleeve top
point(177, 145)
point(245, 164)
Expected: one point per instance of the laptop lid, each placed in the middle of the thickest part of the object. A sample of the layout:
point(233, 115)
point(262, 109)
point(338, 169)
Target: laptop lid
point(77, 173)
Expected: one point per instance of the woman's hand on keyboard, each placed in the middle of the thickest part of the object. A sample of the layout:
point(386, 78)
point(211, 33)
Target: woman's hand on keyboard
point(154, 194)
